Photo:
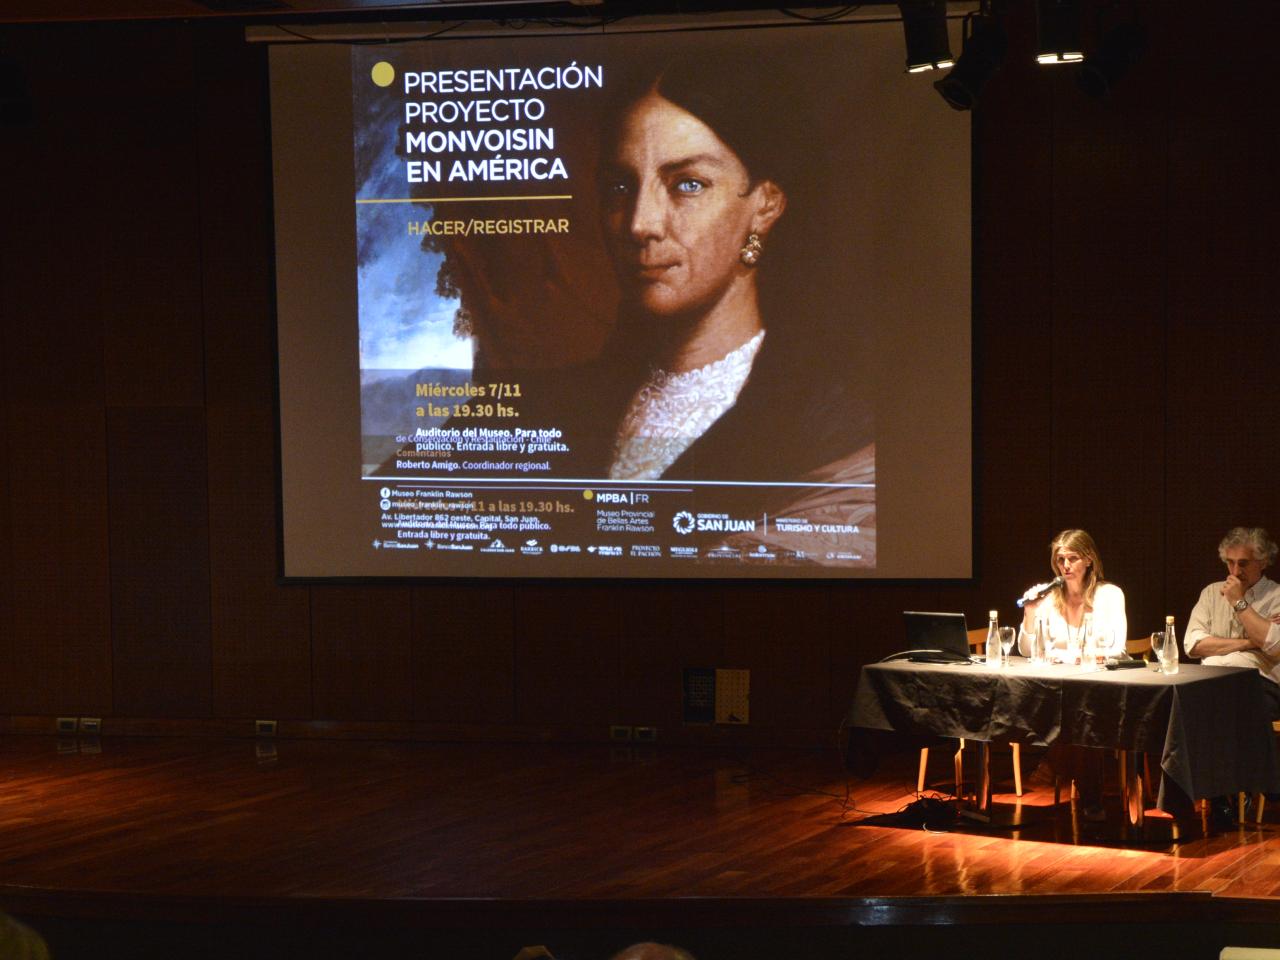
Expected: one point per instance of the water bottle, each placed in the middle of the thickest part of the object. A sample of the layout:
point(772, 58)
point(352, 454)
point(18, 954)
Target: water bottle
point(1089, 642)
point(1169, 659)
point(993, 640)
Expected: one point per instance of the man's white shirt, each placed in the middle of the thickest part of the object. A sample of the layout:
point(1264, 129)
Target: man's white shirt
point(1214, 617)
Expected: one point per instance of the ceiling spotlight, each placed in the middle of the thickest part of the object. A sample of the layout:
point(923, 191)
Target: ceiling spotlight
point(924, 25)
point(1118, 50)
point(1058, 32)
point(984, 47)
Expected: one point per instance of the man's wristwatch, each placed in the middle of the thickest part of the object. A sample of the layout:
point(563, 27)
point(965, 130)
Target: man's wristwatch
point(1239, 605)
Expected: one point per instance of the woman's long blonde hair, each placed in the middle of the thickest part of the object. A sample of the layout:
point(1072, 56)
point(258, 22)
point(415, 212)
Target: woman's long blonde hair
point(1076, 541)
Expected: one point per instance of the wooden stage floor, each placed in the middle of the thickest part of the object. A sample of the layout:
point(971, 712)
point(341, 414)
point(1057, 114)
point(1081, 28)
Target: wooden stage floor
point(323, 842)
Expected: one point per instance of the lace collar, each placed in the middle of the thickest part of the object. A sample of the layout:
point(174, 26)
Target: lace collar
point(672, 410)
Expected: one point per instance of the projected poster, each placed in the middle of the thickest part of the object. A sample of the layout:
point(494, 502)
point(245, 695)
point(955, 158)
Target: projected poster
point(613, 310)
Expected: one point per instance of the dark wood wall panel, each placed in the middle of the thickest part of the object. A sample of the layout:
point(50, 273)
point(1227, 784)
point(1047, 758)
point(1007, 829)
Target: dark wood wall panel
point(782, 634)
point(567, 652)
point(464, 653)
point(1108, 222)
point(1013, 324)
point(146, 164)
point(1223, 287)
point(8, 567)
point(159, 519)
point(260, 631)
point(1224, 172)
point(146, 161)
point(237, 251)
point(361, 663)
point(51, 262)
point(55, 654)
point(867, 624)
point(1215, 483)
point(664, 628)
point(56, 657)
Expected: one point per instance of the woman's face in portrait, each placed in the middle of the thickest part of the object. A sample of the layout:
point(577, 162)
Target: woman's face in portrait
point(678, 206)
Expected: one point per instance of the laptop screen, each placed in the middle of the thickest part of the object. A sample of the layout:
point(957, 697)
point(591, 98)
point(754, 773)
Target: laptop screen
point(936, 631)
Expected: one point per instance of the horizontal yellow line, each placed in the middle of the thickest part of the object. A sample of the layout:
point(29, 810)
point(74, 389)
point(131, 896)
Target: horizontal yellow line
point(565, 196)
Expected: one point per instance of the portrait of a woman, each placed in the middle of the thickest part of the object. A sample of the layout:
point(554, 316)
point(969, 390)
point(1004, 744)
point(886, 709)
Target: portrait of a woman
point(704, 212)
point(686, 224)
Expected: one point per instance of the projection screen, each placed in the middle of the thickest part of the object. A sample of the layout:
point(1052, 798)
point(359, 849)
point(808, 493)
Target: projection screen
point(661, 304)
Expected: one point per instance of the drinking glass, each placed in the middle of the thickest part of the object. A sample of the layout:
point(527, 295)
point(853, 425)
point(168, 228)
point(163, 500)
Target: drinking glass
point(1157, 645)
point(1007, 635)
point(1101, 646)
point(1037, 640)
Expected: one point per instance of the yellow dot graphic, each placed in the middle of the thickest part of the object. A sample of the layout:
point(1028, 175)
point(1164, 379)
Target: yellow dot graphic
point(384, 74)
point(587, 494)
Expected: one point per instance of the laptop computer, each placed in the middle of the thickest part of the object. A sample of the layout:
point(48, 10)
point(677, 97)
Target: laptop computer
point(935, 638)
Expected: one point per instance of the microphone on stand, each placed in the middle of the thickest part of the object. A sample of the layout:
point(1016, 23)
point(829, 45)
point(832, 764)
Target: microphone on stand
point(1040, 593)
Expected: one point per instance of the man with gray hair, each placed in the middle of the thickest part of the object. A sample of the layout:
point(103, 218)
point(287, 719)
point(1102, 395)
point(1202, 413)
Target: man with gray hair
point(1232, 625)
point(1234, 622)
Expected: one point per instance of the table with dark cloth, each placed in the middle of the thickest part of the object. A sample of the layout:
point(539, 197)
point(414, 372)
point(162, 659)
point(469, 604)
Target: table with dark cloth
point(1208, 725)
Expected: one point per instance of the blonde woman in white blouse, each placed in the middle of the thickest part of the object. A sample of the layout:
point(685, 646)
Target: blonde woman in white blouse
point(1074, 559)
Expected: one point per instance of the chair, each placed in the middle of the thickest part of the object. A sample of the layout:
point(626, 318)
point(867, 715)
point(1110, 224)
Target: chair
point(1135, 788)
point(1259, 799)
point(977, 643)
point(1138, 647)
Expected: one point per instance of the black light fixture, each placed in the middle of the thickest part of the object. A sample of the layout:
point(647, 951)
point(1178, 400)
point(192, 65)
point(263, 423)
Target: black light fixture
point(984, 48)
point(1058, 32)
point(924, 26)
point(1119, 49)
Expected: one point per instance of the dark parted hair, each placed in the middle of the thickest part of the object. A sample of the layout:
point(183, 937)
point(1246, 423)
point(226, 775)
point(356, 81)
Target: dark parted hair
point(762, 119)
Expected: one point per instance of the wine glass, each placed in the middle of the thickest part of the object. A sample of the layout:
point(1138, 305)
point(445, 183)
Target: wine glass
point(1157, 645)
point(1007, 635)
